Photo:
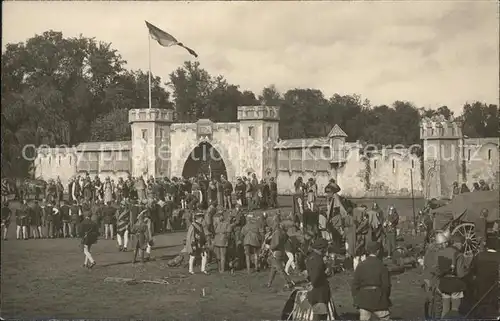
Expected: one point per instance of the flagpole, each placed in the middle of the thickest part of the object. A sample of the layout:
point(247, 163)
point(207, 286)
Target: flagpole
point(149, 46)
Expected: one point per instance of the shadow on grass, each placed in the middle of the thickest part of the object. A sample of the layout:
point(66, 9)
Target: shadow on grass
point(165, 247)
point(355, 316)
point(116, 263)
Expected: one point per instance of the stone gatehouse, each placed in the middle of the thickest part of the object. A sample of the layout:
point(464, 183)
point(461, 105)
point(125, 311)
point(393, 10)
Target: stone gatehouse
point(161, 147)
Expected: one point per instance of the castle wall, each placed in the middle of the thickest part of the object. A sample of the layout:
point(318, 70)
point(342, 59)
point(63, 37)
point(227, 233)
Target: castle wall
point(53, 163)
point(252, 145)
point(481, 161)
point(226, 139)
point(251, 148)
point(183, 140)
point(386, 174)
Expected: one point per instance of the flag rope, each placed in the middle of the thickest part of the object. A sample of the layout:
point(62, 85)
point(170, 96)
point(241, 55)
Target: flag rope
point(149, 49)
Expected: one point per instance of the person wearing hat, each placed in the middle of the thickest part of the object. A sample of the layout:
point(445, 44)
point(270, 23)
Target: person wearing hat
point(430, 278)
point(76, 218)
point(36, 220)
point(252, 233)
point(371, 286)
point(312, 192)
point(64, 210)
point(142, 236)
point(273, 193)
point(196, 243)
point(319, 296)
point(485, 271)
point(108, 213)
point(6, 216)
point(222, 230)
point(123, 222)
point(239, 190)
point(362, 239)
point(90, 232)
point(331, 190)
point(451, 268)
point(390, 228)
point(277, 247)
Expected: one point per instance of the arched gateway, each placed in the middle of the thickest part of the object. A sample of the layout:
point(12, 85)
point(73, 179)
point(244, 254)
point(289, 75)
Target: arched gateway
point(161, 147)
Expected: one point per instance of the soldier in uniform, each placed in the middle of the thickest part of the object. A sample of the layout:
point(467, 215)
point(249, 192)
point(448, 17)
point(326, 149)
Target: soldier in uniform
point(391, 225)
point(350, 236)
point(51, 191)
point(196, 243)
point(22, 218)
point(319, 296)
point(371, 286)
point(252, 241)
point(142, 236)
point(89, 232)
point(277, 247)
point(119, 190)
point(312, 192)
point(228, 192)
point(451, 269)
point(273, 193)
point(485, 270)
point(336, 226)
point(240, 190)
point(140, 188)
point(59, 190)
point(362, 238)
point(6, 216)
point(64, 211)
point(76, 218)
point(108, 213)
point(432, 299)
point(36, 220)
point(222, 229)
point(123, 225)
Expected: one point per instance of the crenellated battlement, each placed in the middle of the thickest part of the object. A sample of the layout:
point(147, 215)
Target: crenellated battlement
point(440, 128)
point(269, 113)
point(151, 115)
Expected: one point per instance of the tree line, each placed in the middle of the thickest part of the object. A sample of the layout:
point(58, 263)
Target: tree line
point(58, 90)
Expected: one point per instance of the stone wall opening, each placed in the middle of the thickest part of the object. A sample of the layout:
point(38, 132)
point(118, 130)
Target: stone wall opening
point(204, 159)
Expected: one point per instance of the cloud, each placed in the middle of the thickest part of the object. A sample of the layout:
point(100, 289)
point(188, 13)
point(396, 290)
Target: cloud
point(429, 52)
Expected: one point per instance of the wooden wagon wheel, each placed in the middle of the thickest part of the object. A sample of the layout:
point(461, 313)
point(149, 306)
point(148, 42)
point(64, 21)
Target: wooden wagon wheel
point(471, 245)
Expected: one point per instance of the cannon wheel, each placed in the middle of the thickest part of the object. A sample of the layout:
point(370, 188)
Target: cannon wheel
point(471, 246)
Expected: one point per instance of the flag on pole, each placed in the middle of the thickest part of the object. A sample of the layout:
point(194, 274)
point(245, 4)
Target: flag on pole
point(165, 39)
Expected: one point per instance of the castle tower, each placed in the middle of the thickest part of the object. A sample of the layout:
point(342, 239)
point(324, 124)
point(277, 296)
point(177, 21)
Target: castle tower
point(442, 156)
point(336, 139)
point(150, 141)
point(259, 132)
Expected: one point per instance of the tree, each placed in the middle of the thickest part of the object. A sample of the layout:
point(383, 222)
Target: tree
point(480, 120)
point(53, 88)
point(112, 126)
point(199, 95)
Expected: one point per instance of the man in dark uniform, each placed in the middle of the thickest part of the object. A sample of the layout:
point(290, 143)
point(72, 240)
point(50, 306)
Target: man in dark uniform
point(371, 286)
point(485, 270)
point(36, 220)
point(277, 246)
point(319, 296)
point(6, 217)
point(273, 193)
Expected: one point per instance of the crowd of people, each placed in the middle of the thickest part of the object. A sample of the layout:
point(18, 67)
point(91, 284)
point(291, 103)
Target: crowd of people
point(229, 227)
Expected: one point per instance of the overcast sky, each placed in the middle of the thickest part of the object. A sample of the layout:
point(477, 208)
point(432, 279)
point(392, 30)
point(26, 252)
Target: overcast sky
point(430, 52)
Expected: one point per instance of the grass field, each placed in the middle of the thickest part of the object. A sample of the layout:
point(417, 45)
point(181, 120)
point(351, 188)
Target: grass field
point(45, 278)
